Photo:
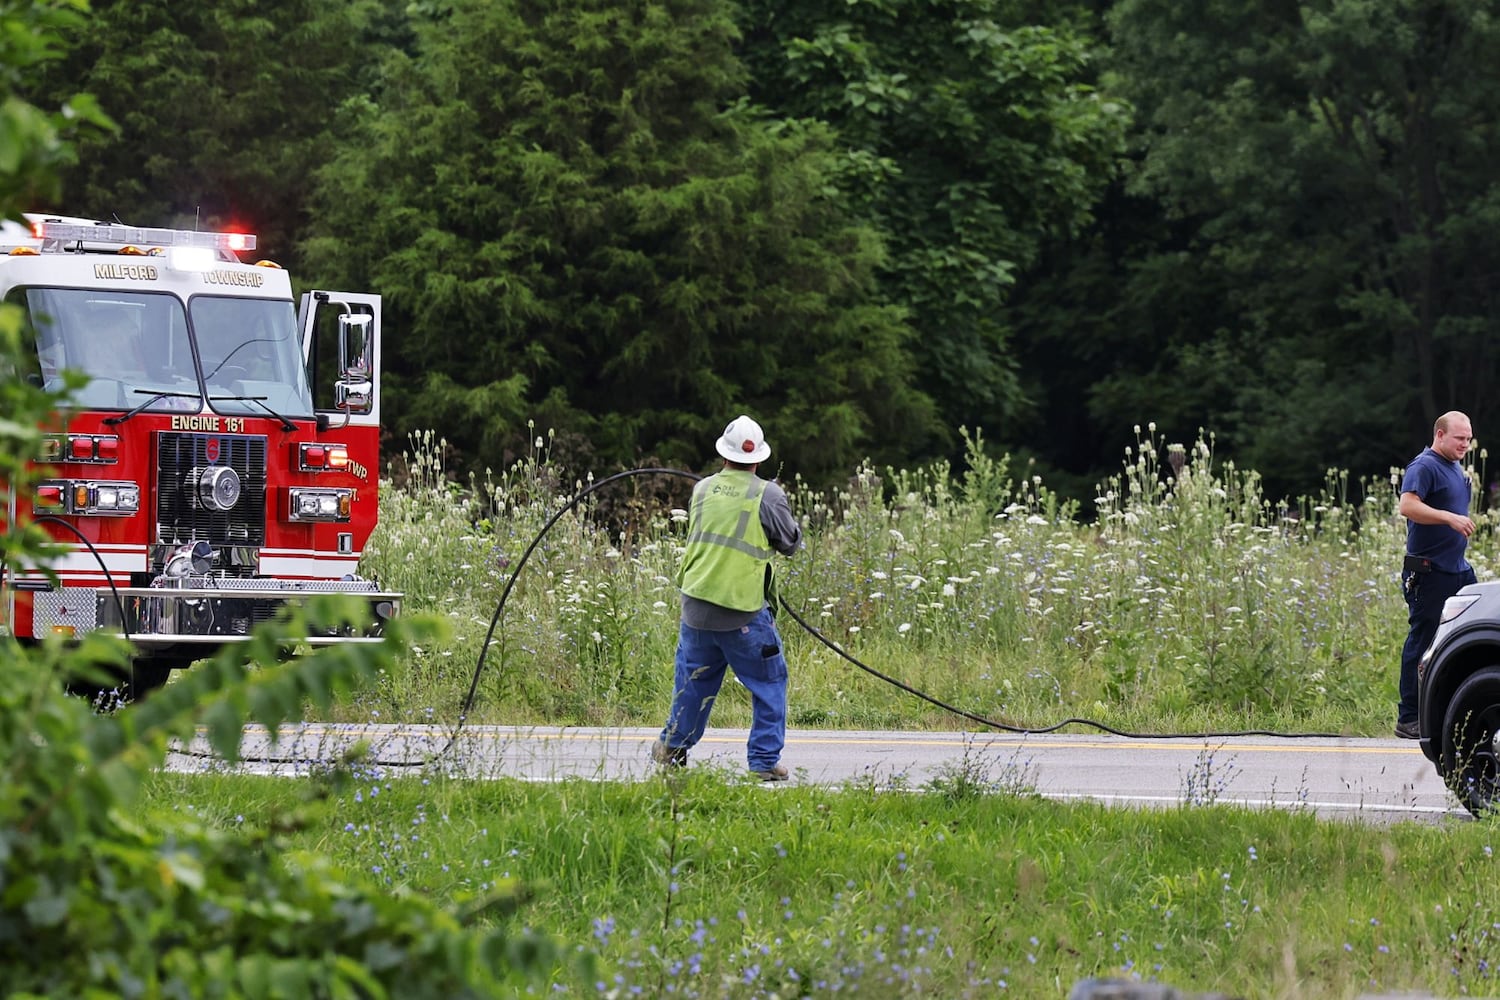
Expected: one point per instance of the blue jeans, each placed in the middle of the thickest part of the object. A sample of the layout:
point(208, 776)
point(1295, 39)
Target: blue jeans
point(754, 653)
point(1425, 595)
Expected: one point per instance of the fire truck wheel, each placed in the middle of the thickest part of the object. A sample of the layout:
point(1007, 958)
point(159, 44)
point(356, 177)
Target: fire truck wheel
point(146, 675)
point(132, 683)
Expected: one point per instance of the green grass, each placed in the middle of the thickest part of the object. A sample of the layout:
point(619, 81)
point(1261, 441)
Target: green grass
point(697, 884)
point(1187, 602)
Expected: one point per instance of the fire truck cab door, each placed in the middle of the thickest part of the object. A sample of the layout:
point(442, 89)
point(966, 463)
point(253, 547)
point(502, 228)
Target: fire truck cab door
point(341, 348)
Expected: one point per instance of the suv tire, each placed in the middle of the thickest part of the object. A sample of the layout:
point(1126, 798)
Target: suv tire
point(1470, 751)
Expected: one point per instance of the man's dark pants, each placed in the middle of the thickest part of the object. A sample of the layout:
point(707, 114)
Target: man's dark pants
point(1425, 596)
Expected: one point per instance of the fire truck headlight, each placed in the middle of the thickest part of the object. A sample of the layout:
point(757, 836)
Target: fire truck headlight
point(320, 504)
point(119, 498)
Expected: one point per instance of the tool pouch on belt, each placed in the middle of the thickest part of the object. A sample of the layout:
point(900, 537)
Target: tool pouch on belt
point(1416, 564)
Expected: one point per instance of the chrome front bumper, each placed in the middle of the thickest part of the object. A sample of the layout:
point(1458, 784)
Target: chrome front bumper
point(206, 610)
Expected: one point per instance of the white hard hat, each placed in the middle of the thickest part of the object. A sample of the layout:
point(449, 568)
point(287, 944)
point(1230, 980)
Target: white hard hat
point(743, 442)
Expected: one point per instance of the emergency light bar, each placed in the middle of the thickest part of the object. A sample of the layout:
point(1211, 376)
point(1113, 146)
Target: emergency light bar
point(50, 230)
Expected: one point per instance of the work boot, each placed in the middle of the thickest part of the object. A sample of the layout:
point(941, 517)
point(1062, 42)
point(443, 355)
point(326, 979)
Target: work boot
point(1409, 730)
point(668, 756)
point(777, 772)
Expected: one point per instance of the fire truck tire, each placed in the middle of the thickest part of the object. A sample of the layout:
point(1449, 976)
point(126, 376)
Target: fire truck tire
point(146, 675)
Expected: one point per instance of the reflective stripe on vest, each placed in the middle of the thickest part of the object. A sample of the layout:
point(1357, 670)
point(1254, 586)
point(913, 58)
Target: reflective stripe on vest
point(727, 550)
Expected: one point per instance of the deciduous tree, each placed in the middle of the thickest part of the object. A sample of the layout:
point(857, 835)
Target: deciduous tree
point(969, 134)
point(1332, 166)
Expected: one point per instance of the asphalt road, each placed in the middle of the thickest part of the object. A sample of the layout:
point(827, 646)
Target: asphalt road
point(1382, 780)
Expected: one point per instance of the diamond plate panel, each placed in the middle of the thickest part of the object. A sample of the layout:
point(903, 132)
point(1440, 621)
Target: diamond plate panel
point(77, 608)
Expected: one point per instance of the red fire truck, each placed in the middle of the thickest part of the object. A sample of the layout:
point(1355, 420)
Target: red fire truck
point(222, 457)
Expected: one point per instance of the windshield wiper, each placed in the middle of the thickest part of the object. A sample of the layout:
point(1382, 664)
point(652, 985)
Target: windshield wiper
point(259, 401)
point(155, 397)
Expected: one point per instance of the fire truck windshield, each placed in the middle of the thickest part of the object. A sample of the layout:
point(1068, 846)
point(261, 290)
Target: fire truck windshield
point(137, 350)
point(251, 356)
point(130, 344)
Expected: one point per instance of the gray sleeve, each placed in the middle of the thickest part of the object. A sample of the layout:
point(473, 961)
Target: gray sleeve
point(782, 529)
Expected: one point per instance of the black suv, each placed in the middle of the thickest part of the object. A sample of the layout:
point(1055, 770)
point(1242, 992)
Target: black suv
point(1459, 697)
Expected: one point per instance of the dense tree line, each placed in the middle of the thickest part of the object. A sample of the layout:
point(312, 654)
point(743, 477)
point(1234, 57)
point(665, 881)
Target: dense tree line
point(869, 223)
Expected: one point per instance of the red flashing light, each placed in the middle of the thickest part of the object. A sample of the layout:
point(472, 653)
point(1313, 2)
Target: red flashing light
point(38, 229)
point(81, 449)
point(109, 449)
point(49, 496)
point(237, 241)
point(318, 456)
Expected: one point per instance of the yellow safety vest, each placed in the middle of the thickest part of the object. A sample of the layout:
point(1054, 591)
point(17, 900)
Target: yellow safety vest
point(728, 558)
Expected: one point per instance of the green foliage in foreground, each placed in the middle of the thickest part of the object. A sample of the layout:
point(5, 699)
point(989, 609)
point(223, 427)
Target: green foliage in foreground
point(704, 886)
point(100, 897)
point(1190, 602)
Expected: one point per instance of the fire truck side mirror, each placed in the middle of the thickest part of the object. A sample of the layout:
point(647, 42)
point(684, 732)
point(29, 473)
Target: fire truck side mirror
point(354, 344)
point(354, 391)
point(353, 396)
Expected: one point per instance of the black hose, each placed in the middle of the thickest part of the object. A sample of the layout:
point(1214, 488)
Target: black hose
point(468, 703)
point(991, 723)
point(1046, 729)
point(119, 604)
point(509, 584)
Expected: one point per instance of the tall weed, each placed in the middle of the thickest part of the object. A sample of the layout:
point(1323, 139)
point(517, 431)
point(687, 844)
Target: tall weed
point(1186, 600)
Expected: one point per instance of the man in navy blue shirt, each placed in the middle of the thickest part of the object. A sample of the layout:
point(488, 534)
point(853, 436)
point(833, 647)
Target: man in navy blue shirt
point(1435, 502)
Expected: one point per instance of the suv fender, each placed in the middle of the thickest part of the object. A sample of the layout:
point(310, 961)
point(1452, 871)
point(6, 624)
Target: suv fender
point(1455, 658)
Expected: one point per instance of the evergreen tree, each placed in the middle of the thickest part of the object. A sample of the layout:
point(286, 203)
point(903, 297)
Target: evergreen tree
point(576, 218)
point(224, 110)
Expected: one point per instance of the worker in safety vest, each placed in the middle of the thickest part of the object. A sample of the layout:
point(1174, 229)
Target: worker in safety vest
point(735, 521)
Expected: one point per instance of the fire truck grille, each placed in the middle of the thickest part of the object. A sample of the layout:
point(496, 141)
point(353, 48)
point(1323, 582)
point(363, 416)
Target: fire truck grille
point(186, 511)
